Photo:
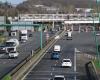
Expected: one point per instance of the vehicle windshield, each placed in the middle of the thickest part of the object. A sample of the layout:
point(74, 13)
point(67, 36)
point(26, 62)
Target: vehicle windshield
point(55, 53)
point(58, 78)
point(10, 44)
point(10, 49)
point(13, 51)
point(23, 34)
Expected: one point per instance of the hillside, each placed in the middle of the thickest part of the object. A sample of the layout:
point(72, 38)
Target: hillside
point(55, 5)
point(45, 6)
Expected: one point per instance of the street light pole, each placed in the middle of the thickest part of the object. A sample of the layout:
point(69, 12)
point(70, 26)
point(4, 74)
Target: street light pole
point(75, 62)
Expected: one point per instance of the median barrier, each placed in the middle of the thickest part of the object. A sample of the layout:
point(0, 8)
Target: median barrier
point(91, 71)
point(24, 65)
point(30, 63)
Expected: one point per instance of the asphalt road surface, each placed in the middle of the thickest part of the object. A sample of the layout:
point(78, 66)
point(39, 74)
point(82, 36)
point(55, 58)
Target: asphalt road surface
point(47, 68)
point(24, 50)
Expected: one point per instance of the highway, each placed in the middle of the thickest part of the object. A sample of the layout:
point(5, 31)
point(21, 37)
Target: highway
point(24, 49)
point(47, 68)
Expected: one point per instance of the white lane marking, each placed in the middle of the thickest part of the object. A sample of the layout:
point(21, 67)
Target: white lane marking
point(49, 71)
point(37, 78)
point(51, 74)
point(53, 69)
point(39, 74)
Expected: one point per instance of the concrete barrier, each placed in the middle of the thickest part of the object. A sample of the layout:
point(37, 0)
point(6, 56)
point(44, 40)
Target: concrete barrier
point(91, 71)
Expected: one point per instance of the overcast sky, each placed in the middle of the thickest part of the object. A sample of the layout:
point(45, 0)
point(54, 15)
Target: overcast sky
point(14, 1)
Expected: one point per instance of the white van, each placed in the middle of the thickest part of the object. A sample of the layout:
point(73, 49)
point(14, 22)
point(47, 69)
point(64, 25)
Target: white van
point(57, 48)
point(23, 35)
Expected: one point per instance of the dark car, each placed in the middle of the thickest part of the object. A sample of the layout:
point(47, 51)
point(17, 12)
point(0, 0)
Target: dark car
point(30, 35)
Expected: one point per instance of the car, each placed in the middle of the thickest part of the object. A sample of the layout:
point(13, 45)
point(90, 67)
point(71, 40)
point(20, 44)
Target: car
point(98, 34)
point(66, 34)
point(23, 40)
point(30, 35)
point(66, 63)
point(2, 49)
point(59, 77)
point(57, 37)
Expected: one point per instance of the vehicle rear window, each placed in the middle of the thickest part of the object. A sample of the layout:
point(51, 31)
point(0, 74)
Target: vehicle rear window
point(66, 60)
point(58, 78)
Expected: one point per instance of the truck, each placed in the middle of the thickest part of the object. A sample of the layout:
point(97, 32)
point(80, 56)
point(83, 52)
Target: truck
point(56, 52)
point(69, 35)
point(12, 42)
point(11, 45)
point(13, 33)
point(23, 35)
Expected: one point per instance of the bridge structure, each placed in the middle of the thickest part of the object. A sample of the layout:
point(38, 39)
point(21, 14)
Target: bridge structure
point(65, 18)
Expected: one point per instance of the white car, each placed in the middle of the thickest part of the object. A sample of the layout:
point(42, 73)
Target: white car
point(66, 63)
point(98, 34)
point(59, 77)
point(57, 37)
point(13, 54)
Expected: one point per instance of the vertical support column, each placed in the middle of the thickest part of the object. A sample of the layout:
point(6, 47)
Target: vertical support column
point(53, 25)
point(72, 28)
point(32, 29)
point(41, 43)
point(86, 29)
point(79, 28)
point(46, 28)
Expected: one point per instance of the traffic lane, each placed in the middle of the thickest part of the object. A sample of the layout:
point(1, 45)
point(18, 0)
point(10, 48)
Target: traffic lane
point(85, 42)
point(32, 45)
point(47, 68)
point(82, 41)
point(24, 50)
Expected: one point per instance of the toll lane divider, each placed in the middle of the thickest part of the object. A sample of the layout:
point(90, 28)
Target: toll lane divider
point(21, 69)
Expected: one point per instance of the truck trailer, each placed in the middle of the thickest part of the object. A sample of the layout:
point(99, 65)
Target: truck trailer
point(23, 35)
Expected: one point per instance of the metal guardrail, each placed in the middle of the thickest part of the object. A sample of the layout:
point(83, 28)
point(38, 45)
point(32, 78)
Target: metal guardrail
point(28, 58)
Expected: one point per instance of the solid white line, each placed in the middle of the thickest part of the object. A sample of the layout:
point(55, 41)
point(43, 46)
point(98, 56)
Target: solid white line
point(37, 78)
point(53, 69)
point(39, 74)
